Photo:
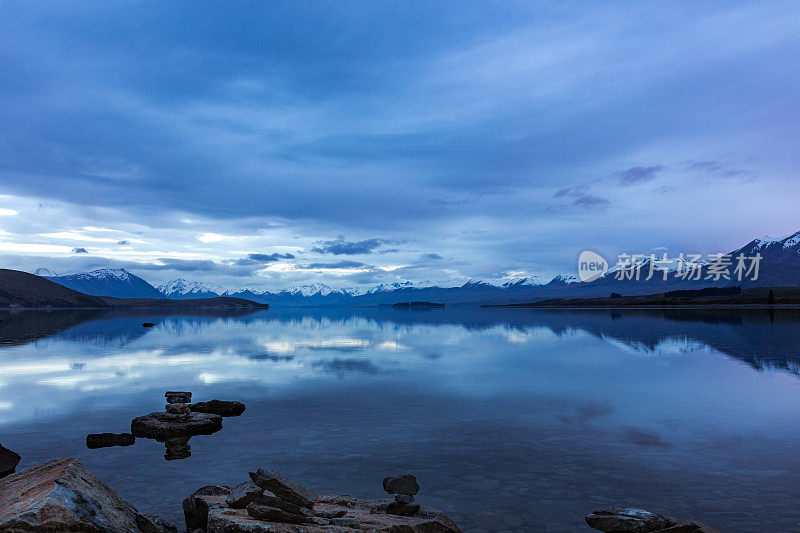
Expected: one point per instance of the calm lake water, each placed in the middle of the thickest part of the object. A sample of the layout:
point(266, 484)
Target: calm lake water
point(512, 419)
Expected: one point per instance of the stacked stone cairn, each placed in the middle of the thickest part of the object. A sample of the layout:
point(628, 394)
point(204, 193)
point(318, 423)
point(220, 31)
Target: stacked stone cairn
point(404, 488)
point(178, 405)
point(273, 497)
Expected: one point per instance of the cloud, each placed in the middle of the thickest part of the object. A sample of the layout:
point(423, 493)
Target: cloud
point(579, 197)
point(342, 247)
point(336, 265)
point(123, 243)
point(638, 175)
point(431, 257)
point(80, 251)
point(269, 258)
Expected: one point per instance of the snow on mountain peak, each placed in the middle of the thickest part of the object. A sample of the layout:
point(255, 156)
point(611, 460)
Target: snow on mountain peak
point(45, 273)
point(105, 273)
point(183, 287)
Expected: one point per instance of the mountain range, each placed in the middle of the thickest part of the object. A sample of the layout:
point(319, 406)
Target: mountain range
point(779, 267)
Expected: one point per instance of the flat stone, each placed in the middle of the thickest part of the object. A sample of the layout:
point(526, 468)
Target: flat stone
point(346, 522)
point(243, 494)
point(218, 407)
point(690, 526)
point(271, 500)
point(331, 513)
point(178, 396)
point(106, 440)
point(402, 509)
point(283, 487)
point(61, 495)
point(162, 426)
point(8, 461)
point(405, 484)
point(273, 514)
point(627, 519)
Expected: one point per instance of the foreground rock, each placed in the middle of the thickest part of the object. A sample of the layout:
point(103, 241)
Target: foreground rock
point(61, 495)
point(218, 407)
point(275, 504)
point(633, 520)
point(106, 440)
point(8, 461)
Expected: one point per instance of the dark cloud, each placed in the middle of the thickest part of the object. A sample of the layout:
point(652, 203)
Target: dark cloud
point(337, 264)
point(638, 175)
point(123, 243)
point(431, 257)
point(269, 258)
point(342, 247)
point(579, 197)
point(80, 251)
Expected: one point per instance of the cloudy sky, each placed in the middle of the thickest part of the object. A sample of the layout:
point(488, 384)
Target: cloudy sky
point(353, 143)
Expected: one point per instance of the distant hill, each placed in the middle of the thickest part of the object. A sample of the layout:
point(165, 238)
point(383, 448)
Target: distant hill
point(116, 282)
point(23, 290)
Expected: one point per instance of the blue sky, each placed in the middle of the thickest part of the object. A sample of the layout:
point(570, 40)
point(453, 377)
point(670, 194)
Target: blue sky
point(353, 143)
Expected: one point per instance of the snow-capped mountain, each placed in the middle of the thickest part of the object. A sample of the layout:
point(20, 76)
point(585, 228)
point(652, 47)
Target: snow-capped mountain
point(116, 282)
point(781, 250)
point(182, 289)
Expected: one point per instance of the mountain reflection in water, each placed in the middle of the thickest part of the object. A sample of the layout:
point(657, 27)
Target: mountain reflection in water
point(517, 419)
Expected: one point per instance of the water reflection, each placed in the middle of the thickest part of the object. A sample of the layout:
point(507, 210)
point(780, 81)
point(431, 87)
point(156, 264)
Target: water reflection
point(536, 414)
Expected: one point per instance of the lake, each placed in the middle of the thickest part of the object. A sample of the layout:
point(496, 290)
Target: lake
point(511, 419)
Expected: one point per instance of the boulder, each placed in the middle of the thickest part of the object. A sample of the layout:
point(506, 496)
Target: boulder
point(61, 495)
point(218, 407)
point(283, 487)
point(628, 519)
point(162, 426)
point(8, 461)
point(405, 484)
point(105, 440)
point(196, 506)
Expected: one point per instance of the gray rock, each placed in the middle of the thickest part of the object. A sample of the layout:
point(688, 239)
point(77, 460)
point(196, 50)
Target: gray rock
point(273, 501)
point(346, 522)
point(403, 498)
point(195, 507)
point(331, 513)
point(8, 461)
point(405, 484)
point(627, 519)
point(218, 407)
point(105, 440)
point(243, 494)
point(283, 487)
point(402, 509)
point(273, 514)
point(61, 495)
point(149, 523)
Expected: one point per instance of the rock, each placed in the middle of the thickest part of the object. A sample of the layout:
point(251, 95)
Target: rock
point(177, 408)
point(273, 514)
point(8, 461)
point(218, 407)
point(196, 507)
point(105, 440)
point(353, 523)
point(149, 523)
point(61, 495)
point(283, 487)
point(147, 324)
point(403, 498)
point(690, 526)
point(162, 426)
point(243, 494)
point(177, 448)
point(216, 517)
point(402, 509)
point(405, 484)
point(273, 501)
point(628, 519)
point(332, 513)
point(178, 396)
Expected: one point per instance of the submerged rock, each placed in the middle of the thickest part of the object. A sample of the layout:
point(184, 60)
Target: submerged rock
point(61, 495)
point(218, 407)
point(628, 519)
point(106, 440)
point(283, 487)
point(8, 461)
point(162, 426)
point(148, 324)
point(690, 526)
